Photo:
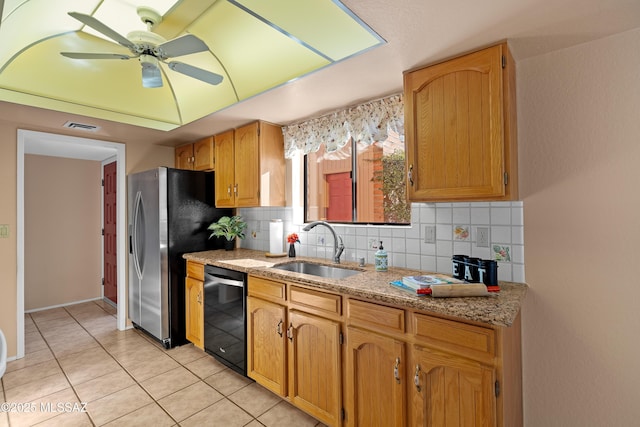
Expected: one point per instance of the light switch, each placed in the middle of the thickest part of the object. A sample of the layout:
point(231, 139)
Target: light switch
point(4, 231)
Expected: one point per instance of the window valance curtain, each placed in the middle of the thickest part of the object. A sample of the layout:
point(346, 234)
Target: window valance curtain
point(367, 122)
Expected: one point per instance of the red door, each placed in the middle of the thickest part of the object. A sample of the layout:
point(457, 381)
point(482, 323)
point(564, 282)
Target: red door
point(340, 201)
point(110, 255)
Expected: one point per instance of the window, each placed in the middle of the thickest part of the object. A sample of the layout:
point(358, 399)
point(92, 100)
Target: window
point(368, 188)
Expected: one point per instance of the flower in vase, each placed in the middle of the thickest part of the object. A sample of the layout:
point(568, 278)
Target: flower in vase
point(293, 238)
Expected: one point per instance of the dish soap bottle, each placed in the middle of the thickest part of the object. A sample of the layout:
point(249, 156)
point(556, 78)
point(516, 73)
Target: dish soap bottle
point(381, 258)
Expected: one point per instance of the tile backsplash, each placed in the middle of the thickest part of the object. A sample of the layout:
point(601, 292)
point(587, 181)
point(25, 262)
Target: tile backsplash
point(456, 226)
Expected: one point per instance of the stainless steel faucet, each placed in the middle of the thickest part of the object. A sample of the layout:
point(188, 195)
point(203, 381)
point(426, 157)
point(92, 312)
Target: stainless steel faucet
point(337, 249)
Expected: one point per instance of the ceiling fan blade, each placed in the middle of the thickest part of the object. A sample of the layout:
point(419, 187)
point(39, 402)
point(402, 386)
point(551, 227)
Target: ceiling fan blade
point(195, 72)
point(82, 55)
point(101, 28)
point(183, 45)
point(151, 76)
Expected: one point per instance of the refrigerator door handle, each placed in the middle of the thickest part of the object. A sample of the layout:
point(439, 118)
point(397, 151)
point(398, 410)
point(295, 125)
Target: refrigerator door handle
point(138, 221)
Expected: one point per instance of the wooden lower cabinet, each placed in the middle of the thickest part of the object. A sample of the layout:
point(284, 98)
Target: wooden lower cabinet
point(315, 373)
point(412, 368)
point(450, 391)
point(375, 382)
point(194, 298)
point(293, 351)
point(396, 367)
point(266, 350)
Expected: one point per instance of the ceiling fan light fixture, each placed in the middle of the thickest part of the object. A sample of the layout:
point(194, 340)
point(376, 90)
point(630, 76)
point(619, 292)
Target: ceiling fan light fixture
point(151, 76)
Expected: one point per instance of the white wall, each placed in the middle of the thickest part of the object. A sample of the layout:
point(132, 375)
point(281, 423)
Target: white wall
point(579, 144)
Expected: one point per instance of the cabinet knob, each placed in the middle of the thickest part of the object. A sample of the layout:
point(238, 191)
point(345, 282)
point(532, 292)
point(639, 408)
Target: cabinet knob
point(279, 328)
point(410, 175)
point(396, 372)
point(416, 379)
point(235, 190)
point(199, 298)
point(229, 191)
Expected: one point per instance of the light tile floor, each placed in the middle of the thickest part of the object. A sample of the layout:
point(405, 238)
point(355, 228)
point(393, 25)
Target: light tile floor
point(75, 358)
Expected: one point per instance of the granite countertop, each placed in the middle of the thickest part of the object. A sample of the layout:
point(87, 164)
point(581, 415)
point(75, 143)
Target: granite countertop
point(500, 309)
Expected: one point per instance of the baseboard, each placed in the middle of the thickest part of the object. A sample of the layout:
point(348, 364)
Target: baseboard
point(62, 305)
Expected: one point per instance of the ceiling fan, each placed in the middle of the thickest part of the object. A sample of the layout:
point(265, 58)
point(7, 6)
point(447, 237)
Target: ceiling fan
point(150, 49)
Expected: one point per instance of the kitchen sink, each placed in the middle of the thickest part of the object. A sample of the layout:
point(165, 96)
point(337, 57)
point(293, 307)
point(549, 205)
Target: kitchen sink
point(318, 270)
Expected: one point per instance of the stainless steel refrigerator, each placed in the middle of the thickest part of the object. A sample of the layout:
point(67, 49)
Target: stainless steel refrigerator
point(169, 212)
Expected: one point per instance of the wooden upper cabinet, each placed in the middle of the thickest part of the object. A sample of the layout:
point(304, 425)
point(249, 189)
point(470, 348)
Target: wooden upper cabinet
point(196, 156)
point(203, 154)
point(460, 128)
point(184, 157)
point(247, 162)
point(225, 169)
point(250, 166)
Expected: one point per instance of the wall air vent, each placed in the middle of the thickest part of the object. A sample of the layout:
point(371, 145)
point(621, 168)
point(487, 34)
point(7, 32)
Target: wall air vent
point(81, 126)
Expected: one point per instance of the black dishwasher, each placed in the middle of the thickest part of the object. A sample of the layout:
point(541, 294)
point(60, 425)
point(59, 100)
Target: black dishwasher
point(225, 295)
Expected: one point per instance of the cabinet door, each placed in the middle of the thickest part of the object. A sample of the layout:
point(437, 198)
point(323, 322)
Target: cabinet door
point(455, 130)
point(315, 366)
point(375, 380)
point(225, 167)
point(194, 311)
point(203, 152)
point(247, 161)
point(451, 391)
point(184, 157)
point(266, 344)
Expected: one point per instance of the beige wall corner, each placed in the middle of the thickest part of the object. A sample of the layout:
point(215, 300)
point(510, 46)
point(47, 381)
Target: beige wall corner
point(579, 158)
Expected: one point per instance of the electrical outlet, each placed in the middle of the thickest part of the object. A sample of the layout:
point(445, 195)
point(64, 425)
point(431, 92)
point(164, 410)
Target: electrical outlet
point(4, 231)
point(320, 240)
point(429, 233)
point(373, 243)
point(482, 237)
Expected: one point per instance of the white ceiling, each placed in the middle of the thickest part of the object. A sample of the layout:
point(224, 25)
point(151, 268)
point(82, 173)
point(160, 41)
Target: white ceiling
point(418, 32)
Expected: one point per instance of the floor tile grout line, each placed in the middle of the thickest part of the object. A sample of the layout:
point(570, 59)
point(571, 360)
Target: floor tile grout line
point(139, 383)
point(100, 344)
point(81, 323)
point(156, 344)
point(128, 373)
point(62, 370)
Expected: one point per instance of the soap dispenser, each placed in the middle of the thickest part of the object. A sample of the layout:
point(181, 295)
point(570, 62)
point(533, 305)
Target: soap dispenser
point(381, 258)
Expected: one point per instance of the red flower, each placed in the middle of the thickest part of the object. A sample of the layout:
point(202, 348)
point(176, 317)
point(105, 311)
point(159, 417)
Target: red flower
point(293, 238)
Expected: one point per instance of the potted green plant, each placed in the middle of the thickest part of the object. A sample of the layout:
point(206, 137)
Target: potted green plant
point(229, 228)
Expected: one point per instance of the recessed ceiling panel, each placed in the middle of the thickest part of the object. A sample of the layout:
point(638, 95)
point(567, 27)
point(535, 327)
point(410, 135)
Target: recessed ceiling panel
point(121, 15)
point(332, 30)
point(197, 99)
point(254, 45)
point(256, 56)
point(112, 85)
point(26, 23)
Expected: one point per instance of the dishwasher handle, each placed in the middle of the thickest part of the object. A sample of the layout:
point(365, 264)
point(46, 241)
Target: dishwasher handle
point(217, 279)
